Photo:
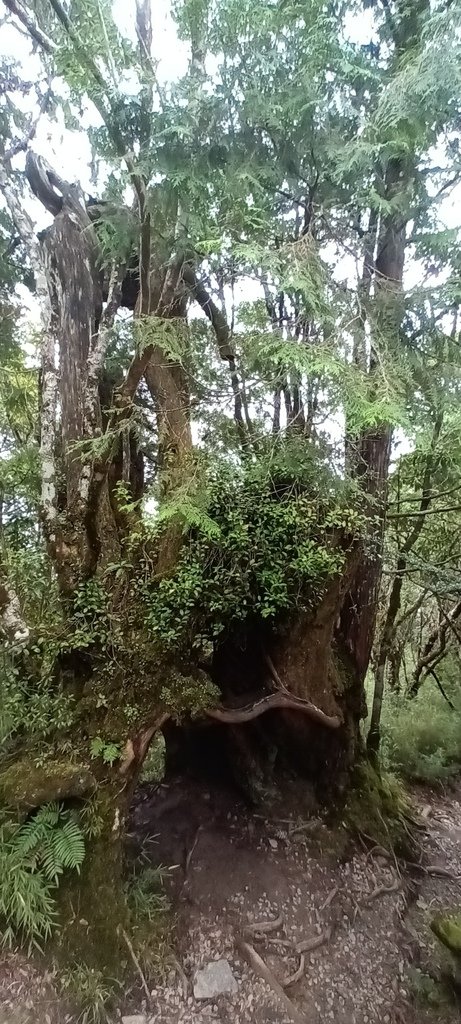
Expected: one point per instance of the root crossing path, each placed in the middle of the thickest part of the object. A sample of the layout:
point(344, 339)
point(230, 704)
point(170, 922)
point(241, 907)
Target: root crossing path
point(309, 926)
point(314, 928)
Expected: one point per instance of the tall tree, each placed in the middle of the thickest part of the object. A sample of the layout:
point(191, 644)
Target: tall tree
point(262, 431)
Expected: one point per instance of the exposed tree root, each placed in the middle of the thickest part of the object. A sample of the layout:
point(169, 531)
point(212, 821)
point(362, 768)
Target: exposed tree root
point(308, 945)
point(235, 716)
point(381, 890)
point(259, 966)
point(291, 979)
point(261, 927)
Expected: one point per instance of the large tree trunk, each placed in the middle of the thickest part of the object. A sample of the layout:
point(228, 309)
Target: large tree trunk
point(291, 701)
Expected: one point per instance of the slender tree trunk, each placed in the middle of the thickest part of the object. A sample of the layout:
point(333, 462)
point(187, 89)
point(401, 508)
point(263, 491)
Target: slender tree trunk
point(388, 633)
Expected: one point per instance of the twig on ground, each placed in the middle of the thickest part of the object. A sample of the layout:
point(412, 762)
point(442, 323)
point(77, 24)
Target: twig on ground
point(286, 943)
point(183, 976)
point(331, 896)
point(138, 968)
point(190, 854)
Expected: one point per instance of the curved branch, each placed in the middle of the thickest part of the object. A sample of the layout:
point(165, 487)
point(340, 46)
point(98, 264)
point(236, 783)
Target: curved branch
point(22, 144)
point(215, 316)
point(235, 716)
point(433, 673)
point(38, 174)
point(435, 645)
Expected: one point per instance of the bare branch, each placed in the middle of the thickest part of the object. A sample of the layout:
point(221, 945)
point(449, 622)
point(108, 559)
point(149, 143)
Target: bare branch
point(33, 29)
point(211, 310)
point(22, 144)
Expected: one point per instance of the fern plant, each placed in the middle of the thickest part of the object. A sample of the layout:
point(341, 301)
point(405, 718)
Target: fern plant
point(32, 858)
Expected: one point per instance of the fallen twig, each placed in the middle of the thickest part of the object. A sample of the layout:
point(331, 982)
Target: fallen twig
point(258, 965)
point(286, 943)
point(191, 851)
point(138, 968)
point(331, 896)
point(183, 976)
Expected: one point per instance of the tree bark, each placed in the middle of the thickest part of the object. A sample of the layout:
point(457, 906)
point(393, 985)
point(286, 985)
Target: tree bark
point(393, 608)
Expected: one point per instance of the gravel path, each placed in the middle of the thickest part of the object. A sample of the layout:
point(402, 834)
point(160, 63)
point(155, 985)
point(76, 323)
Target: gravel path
point(343, 921)
point(377, 946)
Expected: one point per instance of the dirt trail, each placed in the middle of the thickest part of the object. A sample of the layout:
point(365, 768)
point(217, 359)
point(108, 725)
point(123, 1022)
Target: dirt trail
point(235, 868)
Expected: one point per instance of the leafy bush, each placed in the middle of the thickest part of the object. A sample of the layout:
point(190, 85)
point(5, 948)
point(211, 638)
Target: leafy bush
point(272, 546)
point(421, 738)
point(32, 857)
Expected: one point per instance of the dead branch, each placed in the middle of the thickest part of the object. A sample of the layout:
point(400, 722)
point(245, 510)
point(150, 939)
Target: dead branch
point(331, 896)
point(260, 967)
point(183, 977)
point(190, 853)
point(275, 941)
point(16, 8)
point(235, 716)
point(22, 144)
point(215, 315)
point(138, 968)
point(12, 624)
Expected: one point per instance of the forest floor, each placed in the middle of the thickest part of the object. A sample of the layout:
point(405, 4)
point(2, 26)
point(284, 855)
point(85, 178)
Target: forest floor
point(231, 868)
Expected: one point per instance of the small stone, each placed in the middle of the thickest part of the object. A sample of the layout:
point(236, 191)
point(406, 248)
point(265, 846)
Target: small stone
point(273, 844)
point(216, 979)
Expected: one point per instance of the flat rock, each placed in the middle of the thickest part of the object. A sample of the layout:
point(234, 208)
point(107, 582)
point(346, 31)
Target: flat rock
point(134, 1018)
point(216, 979)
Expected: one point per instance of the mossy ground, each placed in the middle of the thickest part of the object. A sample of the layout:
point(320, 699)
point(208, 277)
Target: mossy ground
point(377, 809)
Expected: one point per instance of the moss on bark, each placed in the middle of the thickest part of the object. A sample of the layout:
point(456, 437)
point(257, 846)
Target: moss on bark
point(93, 913)
point(25, 785)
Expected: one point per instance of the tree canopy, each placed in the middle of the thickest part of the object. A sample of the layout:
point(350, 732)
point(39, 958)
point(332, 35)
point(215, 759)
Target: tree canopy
point(229, 399)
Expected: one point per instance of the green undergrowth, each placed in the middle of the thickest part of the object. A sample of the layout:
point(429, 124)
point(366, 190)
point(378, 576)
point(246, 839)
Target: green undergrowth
point(33, 856)
point(421, 738)
point(89, 993)
point(429, 992)
point(92, 993)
